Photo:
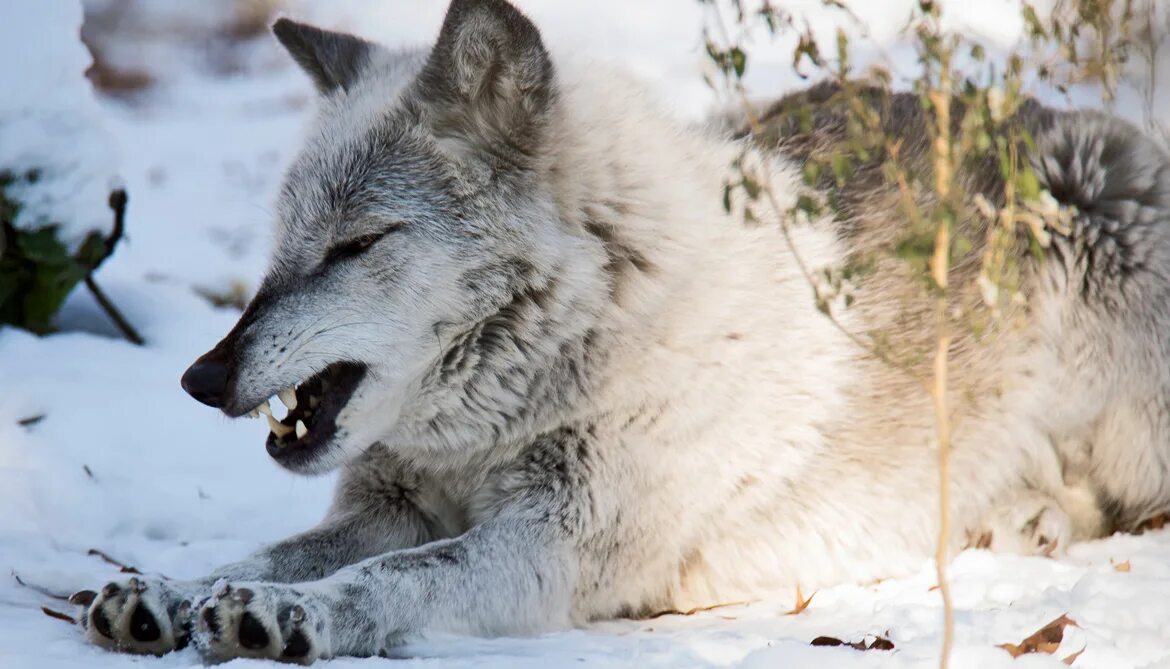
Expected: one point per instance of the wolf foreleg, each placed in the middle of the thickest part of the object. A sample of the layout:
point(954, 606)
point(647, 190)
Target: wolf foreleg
point(506, 576)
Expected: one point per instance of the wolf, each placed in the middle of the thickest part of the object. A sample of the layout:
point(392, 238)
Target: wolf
point(562, 380)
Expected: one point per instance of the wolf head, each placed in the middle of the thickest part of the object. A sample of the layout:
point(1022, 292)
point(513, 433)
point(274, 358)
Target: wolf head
point(415, 243)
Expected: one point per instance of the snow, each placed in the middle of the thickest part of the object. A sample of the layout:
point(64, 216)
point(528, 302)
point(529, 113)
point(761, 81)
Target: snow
point(50, 122)
point(123, 461)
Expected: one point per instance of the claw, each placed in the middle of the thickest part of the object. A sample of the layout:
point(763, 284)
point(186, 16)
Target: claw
point(244, 595)
point(208, 622)
point(221, 589)
point(82, 597)
point(110, 590)
point(137, 586)
point(298, 615)
point(183, 612)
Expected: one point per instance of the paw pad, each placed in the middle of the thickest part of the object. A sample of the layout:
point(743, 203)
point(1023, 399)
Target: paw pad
point(143, 626)
point(252, 634)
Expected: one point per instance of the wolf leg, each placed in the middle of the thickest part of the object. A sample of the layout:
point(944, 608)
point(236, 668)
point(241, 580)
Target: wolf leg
point(505, 576)
point(1031, 523)
point(153, 616)
point(513, 572)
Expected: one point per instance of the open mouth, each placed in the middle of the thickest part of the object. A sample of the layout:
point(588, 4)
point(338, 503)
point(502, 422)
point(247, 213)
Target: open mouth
point(313, 407)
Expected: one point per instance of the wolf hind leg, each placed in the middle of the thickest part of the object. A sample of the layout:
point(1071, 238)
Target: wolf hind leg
point(1029, 523)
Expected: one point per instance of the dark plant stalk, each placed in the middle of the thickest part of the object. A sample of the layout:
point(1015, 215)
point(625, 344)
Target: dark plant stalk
point(118, 201)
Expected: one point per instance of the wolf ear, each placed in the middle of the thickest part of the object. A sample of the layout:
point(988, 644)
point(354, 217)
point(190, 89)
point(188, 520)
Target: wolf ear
point(489, 77)
point(333, 60)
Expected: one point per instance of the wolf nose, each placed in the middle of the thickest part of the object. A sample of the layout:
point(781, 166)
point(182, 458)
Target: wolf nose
point(206, 381)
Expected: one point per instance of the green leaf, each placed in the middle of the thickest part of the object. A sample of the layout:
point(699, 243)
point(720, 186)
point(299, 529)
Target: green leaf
point(810, 171)
point(842, 168)
point(92, 251)
point(808, 206)
point(41, 245)
point(960, 247)
point(1028, 184)
point(738, 61)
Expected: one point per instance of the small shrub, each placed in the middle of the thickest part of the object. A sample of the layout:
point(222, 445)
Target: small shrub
point(37, 271)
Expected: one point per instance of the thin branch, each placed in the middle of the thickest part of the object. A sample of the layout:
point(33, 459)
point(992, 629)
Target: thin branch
point(786, 231)
point(38, 588)
point(122, 566)
point(942, 424)
point(116, 316)
point(117, 201)
point(944, 176)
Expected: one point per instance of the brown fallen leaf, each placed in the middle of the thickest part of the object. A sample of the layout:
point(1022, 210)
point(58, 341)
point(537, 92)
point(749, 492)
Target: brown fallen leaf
point(1121, 566)
point(58, 615)
point(1073, 658)
point(878, 643)
point(1046, 640)
point(832, 641)
point(801, 602)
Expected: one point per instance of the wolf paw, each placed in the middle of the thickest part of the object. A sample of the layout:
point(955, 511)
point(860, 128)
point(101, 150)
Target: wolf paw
point(259, 620)
point(1032, 524)
point(139, 615)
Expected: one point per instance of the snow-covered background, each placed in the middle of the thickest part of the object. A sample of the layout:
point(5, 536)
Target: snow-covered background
point(50, 123)
point(99, 447)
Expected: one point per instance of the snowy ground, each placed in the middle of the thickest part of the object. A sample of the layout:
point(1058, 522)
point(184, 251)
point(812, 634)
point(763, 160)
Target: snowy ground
point(99, 447)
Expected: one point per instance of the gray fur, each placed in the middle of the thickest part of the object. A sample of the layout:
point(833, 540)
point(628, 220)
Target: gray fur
point(581, 389)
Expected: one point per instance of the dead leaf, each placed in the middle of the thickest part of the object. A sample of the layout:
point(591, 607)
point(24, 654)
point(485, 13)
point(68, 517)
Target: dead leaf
point(30, 420)
point(878, 643)
point(58, 615)
point(1073, 658)
point(801, 602)
point(832, 641)
point(1046, 640)
point(1121, 566)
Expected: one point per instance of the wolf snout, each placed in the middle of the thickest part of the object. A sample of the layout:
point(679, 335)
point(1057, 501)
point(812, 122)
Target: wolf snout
point(206, 380)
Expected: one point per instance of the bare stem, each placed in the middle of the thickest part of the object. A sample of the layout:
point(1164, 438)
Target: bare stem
point(116, 316)
point(944, 162)
point(944, 466)
point(118, 201)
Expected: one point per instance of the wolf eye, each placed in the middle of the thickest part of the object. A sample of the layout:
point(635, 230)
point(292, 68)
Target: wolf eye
point(362, 243)
point(357, 245)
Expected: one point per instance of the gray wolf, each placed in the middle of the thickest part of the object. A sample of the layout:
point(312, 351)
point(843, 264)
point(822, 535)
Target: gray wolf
point(563, 383)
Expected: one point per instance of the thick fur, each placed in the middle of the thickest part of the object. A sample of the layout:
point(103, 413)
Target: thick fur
point(592, 392)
